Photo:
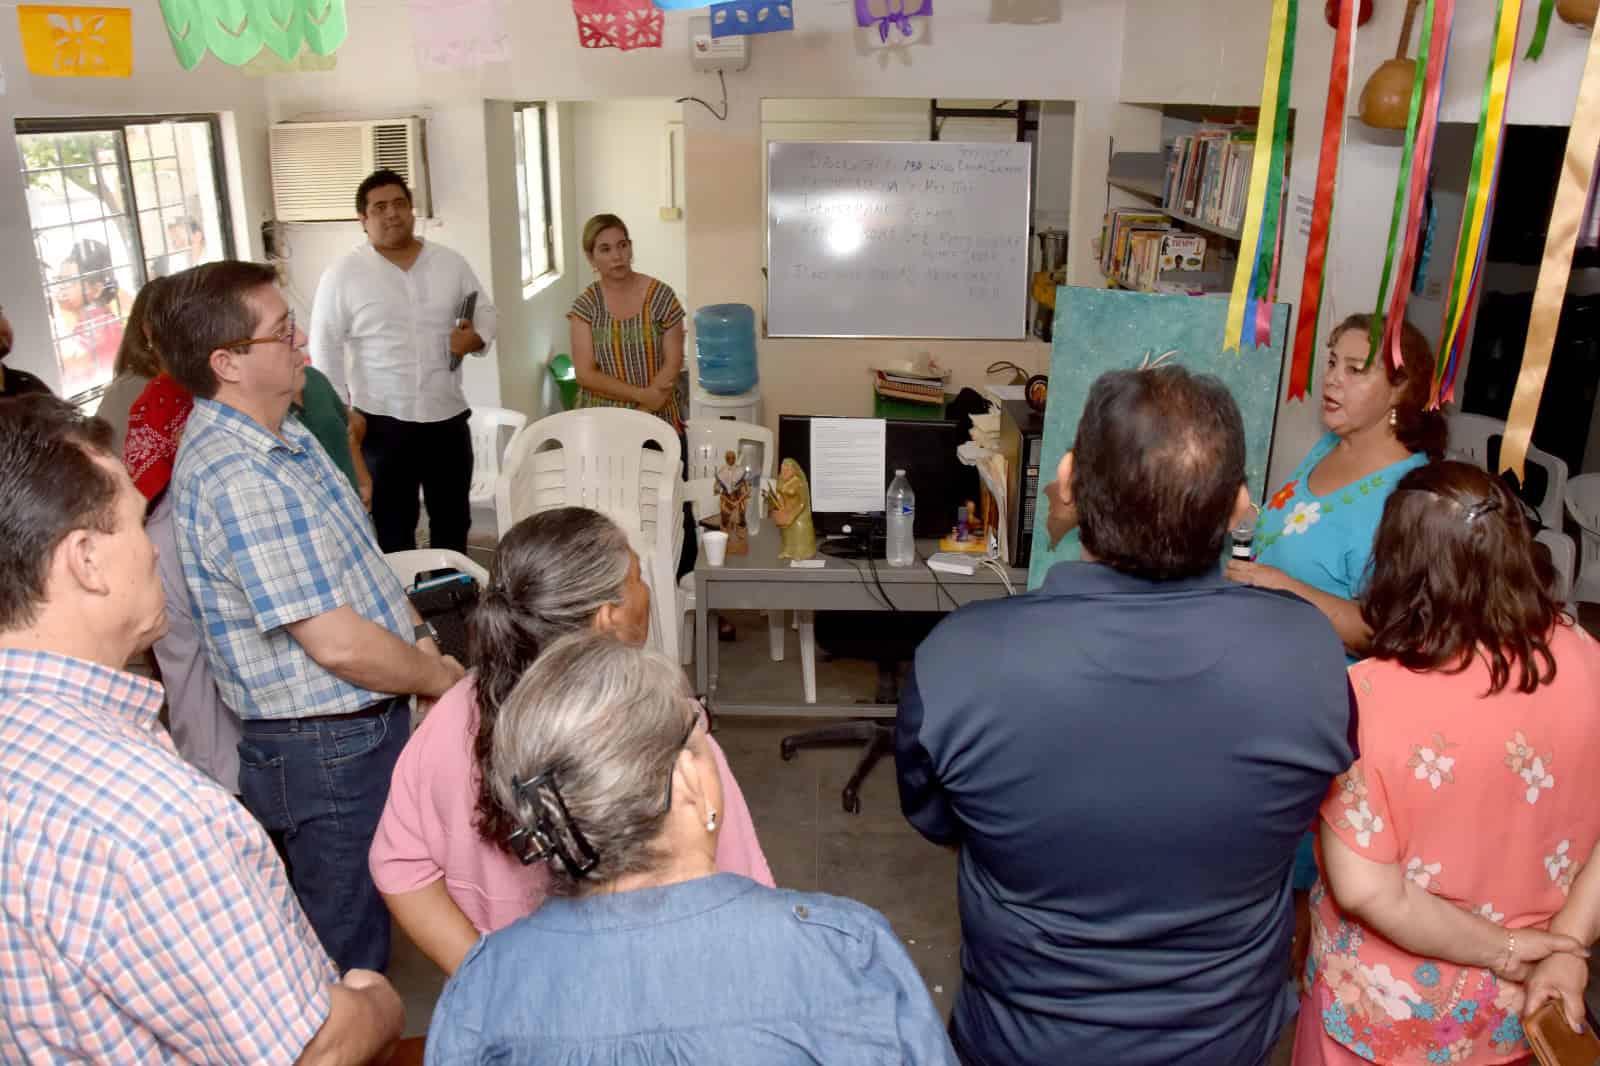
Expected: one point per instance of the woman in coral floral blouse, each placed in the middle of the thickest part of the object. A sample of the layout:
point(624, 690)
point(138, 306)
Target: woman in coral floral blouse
point(1456, 838)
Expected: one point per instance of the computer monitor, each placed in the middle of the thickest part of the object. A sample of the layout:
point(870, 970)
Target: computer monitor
point(924, 448)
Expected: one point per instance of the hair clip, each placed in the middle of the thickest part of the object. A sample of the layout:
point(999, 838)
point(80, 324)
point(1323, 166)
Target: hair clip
point(553, 832)
point(1482, 507)
point(1159, 361)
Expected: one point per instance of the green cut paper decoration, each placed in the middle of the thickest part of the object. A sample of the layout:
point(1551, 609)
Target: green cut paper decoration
point(235, 31)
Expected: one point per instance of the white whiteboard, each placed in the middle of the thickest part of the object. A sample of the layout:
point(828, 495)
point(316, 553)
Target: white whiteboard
point(897, 239)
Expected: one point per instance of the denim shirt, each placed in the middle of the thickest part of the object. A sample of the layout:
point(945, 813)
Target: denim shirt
point(719, 969)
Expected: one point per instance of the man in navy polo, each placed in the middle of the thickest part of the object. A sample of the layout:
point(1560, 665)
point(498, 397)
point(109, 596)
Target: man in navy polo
point(1130, 769)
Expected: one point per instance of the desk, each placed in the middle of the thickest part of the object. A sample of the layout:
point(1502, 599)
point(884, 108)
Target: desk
point(760, 581)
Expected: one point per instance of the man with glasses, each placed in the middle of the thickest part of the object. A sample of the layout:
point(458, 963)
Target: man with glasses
point(409, 312)
point(308, 632)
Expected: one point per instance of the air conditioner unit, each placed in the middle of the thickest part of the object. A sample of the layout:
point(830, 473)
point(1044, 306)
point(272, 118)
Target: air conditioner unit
point(317, 166)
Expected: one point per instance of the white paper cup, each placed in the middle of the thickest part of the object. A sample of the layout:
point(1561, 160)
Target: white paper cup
point(715, 542)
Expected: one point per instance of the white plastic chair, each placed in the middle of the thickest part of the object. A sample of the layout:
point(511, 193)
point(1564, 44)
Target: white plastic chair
point(1583, 507)
point(488, 445)
point(1470, 436)
point(597, 457)
point(1564, 559)
point(408, 564)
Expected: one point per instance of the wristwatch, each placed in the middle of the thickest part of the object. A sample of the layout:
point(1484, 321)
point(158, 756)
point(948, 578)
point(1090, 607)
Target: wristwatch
point(424, 629)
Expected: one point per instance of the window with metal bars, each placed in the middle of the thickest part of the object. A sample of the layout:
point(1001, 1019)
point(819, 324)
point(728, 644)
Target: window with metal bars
point(112, 203)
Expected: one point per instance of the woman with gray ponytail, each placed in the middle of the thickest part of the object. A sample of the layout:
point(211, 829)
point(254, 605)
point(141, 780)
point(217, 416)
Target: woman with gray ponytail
point(443, 855)
point(645, 952)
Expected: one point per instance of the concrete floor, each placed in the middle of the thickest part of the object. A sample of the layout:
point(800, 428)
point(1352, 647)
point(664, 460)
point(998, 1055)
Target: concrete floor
point(810, 842)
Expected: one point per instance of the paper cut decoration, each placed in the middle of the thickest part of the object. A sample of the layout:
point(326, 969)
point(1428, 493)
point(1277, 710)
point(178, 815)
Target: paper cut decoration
point(459, 34)
point(892, 18)
point(76, 42)
point(738, 18)
point(621, 24)
point(235, 30)
point(307, 62)
point(1105, 329)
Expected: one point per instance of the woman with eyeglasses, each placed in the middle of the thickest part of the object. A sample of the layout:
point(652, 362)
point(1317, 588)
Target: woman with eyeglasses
point(1460, 849)
point(443, 855)
point(645, 952)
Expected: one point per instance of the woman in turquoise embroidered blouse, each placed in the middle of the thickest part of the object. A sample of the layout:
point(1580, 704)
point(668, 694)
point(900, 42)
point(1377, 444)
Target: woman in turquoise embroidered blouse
point(1315, 534)
point(1314, 538)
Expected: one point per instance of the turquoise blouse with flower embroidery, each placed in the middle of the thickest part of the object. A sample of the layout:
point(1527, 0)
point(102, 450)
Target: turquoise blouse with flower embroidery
point(1326, 541)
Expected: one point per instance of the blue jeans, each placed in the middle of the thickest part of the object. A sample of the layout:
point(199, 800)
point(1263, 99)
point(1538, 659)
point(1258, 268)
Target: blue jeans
point(319, 785)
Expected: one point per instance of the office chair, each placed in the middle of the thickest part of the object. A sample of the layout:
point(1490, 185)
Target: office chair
point(886, 640)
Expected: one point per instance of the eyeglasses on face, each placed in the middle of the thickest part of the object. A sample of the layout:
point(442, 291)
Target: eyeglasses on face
point(284, 335)
point(696, 719)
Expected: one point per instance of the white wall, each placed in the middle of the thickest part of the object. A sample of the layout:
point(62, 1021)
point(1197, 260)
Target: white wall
point(159, 86)
point(618, 149)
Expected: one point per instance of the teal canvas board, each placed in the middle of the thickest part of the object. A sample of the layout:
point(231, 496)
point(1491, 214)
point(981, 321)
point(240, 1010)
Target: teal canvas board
point(1097, 330)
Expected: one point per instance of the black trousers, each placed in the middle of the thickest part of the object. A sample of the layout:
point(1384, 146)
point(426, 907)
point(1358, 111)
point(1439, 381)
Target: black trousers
point(433, 457)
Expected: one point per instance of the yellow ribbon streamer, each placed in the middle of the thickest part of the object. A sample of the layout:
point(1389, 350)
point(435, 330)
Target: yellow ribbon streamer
point(1566, 217)
point(1505, 53)
point(1261, 166)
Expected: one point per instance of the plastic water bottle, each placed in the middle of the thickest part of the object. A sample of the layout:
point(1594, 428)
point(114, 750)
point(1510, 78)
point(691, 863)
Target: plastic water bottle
point(900, 508)
point(725, 346)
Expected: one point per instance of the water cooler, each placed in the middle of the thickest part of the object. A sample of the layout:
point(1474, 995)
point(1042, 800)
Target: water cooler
point(727, 385)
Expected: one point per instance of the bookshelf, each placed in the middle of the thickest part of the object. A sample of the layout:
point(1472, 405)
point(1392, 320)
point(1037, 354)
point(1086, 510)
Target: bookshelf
point(1194, 184)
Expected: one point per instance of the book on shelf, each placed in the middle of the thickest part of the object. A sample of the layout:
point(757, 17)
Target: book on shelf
point(1208, 175)
point(1183, 251)
point(1120, 224)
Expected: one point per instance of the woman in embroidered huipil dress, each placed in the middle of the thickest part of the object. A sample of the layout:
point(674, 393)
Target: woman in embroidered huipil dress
point(627, 330)
point(1314, 538)
point(1469, 816)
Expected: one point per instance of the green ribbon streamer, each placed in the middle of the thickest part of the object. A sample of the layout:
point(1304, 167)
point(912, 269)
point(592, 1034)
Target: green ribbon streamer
point(1403, 189)
point(1462, 279)
point(235, 31)
point(1261, 279)
point(1541, 29)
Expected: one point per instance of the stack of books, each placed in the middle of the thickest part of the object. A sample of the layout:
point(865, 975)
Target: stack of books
point(1125, 237)
point(910, 386)
point(1208, 175)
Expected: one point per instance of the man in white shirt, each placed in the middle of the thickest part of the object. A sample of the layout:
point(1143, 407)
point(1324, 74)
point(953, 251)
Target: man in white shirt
point(395, 303)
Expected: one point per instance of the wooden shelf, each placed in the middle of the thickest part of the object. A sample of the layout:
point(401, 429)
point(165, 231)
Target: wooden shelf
point(1144, 174)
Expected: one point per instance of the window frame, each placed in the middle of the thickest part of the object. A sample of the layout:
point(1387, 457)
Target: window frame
point(520, 118)
point(118, 125)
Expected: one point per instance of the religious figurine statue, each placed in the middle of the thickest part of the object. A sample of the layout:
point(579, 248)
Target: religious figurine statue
point(733, 494)
point(789, 506)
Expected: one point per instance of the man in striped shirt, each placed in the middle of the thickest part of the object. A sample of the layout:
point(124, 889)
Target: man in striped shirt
point(144, 915)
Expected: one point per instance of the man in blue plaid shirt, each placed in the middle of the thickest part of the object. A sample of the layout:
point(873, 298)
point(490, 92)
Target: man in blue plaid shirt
point(307, 630)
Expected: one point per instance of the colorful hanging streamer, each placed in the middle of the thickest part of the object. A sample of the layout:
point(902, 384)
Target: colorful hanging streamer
point(1566, 218)
point(236, 30)
point(1305, 330)
point(1264, 206)
point(1541, 29)
point(1427, 128)
point(1473, 242)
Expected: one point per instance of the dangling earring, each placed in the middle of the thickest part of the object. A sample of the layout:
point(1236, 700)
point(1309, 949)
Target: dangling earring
point(1393, 419)
point(711, 821)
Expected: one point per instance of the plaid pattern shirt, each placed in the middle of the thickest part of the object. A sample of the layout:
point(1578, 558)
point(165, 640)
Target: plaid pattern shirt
point(271, 533)
point(144, 915)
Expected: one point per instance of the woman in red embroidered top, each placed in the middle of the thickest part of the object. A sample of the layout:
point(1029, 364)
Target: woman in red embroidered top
point(627, 330)
point(1459, 835)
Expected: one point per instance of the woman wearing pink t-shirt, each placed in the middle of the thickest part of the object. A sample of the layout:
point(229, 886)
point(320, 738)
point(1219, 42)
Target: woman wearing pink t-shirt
point(438, 855)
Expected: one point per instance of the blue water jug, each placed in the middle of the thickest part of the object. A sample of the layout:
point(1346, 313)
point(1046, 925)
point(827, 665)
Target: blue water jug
point(725, 348)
